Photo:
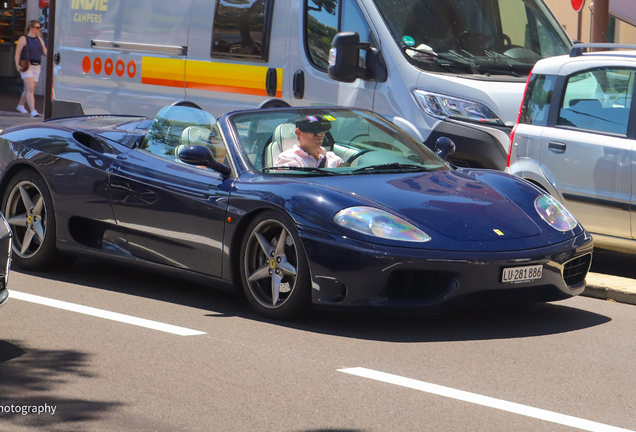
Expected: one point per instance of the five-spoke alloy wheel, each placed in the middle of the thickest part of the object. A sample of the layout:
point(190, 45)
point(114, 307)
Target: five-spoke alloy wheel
point(274, 268)
point(28, 208)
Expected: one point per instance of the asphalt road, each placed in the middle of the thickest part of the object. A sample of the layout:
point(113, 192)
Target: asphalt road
point(532, 367)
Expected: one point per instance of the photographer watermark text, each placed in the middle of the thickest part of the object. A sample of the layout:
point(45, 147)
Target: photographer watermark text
point(28, 409)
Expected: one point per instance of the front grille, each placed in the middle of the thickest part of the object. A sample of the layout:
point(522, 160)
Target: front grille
point(417, 284)
point(574, 271)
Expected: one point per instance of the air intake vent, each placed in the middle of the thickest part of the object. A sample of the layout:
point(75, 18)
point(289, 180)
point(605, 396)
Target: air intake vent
point(417, 284)
point(574, 271)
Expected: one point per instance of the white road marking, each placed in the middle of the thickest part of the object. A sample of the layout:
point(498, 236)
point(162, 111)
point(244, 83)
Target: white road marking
point(114, 316)
point(477, 399)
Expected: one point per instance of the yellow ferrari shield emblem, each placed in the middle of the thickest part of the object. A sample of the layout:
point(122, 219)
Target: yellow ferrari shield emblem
point(498, 232)
point(272, 263)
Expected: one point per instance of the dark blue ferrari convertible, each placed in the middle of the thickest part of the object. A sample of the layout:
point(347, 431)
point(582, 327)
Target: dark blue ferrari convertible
point(385, 224)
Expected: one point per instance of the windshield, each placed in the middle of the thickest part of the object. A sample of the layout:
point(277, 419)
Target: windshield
point(486, 37)
point(351, 142)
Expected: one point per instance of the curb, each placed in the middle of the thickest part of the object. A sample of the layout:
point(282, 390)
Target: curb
point(613, 288)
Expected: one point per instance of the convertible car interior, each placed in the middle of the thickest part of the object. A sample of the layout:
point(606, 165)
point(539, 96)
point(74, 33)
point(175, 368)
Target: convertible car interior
point(359, 142)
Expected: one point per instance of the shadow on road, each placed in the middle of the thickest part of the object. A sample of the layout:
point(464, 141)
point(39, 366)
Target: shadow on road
point(480, 323)
point(614, 263)
point(31, 377)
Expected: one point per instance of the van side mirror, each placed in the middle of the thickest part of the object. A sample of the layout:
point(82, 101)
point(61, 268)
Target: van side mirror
point(201, 155)
point(444, 147)
point(344, 60)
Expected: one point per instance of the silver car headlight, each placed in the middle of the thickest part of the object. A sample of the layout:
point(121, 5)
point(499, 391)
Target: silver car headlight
point(441, 106)
point(554, 213)
point(378, 223)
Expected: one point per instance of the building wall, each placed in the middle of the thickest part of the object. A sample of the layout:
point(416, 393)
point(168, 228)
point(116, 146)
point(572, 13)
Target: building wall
point(624, 32)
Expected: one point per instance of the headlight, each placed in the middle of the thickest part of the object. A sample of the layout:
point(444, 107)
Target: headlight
point(442, 107)
point(378, 223)
point(554, 213)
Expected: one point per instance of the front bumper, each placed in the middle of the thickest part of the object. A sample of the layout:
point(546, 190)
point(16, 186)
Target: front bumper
point(348, 273)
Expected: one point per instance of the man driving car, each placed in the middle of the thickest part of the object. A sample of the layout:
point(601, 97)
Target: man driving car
point(309, 152)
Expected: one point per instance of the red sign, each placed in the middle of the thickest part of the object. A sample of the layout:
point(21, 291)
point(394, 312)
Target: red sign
point(44, 3)
point(577, 5)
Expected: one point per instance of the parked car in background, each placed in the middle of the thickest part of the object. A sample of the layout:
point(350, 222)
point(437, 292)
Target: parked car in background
point(5, 258)
point(576, 136)
point(395, 227)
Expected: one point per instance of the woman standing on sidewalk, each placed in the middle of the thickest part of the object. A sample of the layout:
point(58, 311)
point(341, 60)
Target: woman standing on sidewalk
point(31, 48)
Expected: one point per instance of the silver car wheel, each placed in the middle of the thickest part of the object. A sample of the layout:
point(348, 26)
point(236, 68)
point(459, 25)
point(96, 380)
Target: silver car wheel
point(26, 213)
point(270, 264)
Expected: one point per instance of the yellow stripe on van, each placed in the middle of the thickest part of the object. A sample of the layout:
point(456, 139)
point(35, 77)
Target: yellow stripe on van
point(205, 75)
point(163, 71)
point(231, 78)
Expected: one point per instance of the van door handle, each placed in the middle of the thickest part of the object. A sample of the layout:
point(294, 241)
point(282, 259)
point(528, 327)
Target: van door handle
point(556, 147)
point(299, 84)
point(271, 82)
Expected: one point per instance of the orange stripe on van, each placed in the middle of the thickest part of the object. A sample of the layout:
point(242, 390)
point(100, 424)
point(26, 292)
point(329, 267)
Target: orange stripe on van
point(231, 78)
point(163, 71)
point(230, 89)
point(208, 75)
point(162, 82)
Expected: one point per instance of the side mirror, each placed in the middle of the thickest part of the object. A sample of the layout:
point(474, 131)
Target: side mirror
point(444, 147)
point(201, 155)
point(344, 60)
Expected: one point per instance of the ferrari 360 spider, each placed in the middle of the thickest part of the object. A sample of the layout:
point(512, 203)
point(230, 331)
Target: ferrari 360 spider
point(385, 223)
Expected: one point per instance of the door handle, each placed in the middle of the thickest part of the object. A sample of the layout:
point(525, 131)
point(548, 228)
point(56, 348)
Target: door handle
point(556, 147)
point(299, 84)
point(271, 82)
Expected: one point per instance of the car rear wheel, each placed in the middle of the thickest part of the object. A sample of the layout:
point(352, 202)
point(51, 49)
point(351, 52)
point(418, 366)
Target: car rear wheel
point(274, 269)
point(28, 208)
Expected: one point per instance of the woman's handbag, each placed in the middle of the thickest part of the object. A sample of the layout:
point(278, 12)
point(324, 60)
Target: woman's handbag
point(25, 63)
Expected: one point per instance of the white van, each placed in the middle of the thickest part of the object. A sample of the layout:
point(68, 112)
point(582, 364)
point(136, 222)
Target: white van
point(455, 68)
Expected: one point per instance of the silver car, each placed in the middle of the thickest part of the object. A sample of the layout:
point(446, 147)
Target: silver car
point(576, 136)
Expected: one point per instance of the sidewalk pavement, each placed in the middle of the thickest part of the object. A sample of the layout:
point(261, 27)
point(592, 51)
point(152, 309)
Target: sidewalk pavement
point(601, 286)
point(612, 288)
point(9, 115)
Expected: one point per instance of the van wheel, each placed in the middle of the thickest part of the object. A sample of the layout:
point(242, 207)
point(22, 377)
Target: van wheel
point(274, 103)
point(274, 269)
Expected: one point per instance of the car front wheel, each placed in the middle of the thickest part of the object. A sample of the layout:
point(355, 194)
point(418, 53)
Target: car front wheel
point(28, 208)
point(274, 268)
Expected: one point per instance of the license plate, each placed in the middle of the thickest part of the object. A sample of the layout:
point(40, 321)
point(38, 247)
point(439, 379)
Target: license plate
point(522, 274)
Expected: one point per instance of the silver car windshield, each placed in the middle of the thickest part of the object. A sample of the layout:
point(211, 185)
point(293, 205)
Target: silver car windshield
point(485, 37)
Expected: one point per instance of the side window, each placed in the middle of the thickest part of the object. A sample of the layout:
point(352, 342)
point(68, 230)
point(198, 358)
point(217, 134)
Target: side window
point(536, 103)
point(323, 21)
point(241, 29)
point(598, 100)
point(353, 20)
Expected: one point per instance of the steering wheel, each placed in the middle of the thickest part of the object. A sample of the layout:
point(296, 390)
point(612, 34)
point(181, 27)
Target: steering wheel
point(356, 156)
point(498, 40)
point(475, 42)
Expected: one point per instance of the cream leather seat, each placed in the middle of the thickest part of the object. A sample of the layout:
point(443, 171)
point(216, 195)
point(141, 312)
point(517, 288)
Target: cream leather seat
point(284, 138)
point(199, 135)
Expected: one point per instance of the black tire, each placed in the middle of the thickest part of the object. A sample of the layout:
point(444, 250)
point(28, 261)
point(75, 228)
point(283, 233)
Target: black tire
point(28, 207)
point(275, 279)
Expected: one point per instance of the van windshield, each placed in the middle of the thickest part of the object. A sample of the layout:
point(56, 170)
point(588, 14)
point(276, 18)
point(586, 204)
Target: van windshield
point(485, 37)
